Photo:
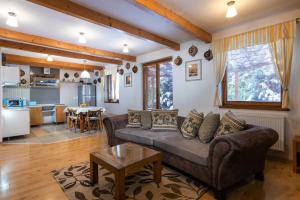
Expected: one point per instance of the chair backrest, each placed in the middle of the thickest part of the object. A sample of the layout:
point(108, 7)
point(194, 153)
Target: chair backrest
point(82, 105)
point(94, 113)
point(72, 112)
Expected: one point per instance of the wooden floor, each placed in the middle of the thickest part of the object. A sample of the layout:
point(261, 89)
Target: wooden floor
point(25, 172)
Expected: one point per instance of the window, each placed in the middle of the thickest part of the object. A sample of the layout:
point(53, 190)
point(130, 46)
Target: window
point(251, 80)
point(158, 84)
point(111, 89)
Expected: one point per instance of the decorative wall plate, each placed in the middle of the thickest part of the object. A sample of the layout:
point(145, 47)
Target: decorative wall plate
point(22, 73)
point(135, 69)
point(193, 50)
point(95, 81)
point(99, 80)
point(66, 75)
point(208, 55)
point(97, 73)
point(178, 61)
point(121, 71)
point(127, 66)
point(23, 81)
point(76, 75)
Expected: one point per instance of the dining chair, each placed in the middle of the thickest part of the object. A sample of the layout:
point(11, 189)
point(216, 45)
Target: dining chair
point(94, 117)
point(82, 105)
point(73, 118)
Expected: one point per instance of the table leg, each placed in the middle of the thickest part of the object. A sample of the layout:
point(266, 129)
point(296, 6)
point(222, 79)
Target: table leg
point(81, 123)
point(93, 172)
point(157, 171)
point(120, 185)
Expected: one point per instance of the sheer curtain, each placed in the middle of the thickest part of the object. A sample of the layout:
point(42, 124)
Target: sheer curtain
point(280, 37)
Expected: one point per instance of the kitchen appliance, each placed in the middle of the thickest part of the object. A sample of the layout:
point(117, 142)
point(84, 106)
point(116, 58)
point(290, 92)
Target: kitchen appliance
point(87, 94)
point(45, 82)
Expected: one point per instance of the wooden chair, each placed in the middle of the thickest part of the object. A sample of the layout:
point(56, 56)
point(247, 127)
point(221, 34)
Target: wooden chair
point(94, 117)
point(82, 105)
point(72, 119)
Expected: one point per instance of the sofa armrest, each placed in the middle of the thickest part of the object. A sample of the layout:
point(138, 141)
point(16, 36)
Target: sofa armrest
point(114, 123)
point(234, 157)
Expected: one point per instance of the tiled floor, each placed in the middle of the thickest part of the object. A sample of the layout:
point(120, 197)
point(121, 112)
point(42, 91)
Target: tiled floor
point(47, 134)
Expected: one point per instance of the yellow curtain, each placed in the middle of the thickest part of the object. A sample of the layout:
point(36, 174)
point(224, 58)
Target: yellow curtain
point(280, 37)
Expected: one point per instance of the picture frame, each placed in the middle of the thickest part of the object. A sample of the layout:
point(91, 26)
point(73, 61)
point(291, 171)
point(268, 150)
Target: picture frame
point(193, 70)
point(128, 79)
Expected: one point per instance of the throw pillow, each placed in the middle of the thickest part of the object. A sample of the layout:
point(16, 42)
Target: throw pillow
point(134, 119)
point(191, 124)
point(146, 119)
point(230, 124)
point(164, 120)
point(209, 127)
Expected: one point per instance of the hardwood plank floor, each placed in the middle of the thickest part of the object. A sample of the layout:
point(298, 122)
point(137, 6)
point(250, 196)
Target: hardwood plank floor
point(25, 172)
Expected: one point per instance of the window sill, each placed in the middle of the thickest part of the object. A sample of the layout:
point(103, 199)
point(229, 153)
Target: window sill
point(254, 107)
point(111, 101)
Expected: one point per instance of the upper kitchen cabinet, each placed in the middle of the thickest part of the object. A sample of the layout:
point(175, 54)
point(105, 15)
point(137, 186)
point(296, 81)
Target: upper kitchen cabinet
point(11, 75)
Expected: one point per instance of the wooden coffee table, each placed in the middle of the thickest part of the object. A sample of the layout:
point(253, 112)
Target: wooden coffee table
point(122, 159)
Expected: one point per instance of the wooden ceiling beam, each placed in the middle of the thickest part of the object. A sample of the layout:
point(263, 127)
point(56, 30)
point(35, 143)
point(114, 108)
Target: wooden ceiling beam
point(39, 62)
point(156, 7)
point(43, 41)
point(70, 8)
point(57, 52)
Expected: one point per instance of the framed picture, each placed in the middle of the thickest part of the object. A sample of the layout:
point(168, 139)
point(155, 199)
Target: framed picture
point(193, 70)
point(128, 80)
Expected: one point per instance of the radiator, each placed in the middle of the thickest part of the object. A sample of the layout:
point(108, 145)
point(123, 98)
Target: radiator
point(275, 122)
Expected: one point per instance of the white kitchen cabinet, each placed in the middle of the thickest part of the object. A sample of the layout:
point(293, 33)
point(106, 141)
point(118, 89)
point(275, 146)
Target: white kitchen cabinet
point(16, 121)
point(10, 75)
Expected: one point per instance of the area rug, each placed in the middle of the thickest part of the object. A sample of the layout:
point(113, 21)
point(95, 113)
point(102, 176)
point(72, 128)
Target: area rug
point(139, 185)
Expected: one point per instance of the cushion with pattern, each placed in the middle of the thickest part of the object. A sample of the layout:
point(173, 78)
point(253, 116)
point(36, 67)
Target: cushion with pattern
point(230, 124)
point(191, 124)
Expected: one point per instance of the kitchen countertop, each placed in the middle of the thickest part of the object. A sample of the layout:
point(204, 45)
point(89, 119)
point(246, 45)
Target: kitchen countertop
point(16, 108)
point(44, 105)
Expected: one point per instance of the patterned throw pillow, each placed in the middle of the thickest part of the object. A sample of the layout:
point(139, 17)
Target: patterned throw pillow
point(134, 119)
point(230, 124)
point(191, 124)
point(164, 120)
point(209, 127)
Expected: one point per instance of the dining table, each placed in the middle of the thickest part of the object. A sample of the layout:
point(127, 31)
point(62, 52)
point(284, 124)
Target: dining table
point(82, 111)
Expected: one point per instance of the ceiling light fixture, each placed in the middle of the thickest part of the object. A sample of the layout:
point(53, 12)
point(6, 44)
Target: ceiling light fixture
point(50, 58)
point(125, 48)
point(85, 74)
point(81, 38)
point(12, 19)
point(231, 10)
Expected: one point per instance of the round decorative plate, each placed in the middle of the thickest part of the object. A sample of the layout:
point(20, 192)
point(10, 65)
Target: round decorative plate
point(121, 71)
point(23, 81)
point(208, 55)
point(76, 75)
point(135, 69)
point(97, 73)
point(66, 75)
point(178, 61)
point(127, 65)
point(99, 80)
point(22, 73)
point(193, 50)
point(95, 81)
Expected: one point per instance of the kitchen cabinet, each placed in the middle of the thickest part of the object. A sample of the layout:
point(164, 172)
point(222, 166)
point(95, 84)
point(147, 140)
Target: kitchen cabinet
point(11, 75)
point(36, 116)
point(15, 122)
point(60, 115)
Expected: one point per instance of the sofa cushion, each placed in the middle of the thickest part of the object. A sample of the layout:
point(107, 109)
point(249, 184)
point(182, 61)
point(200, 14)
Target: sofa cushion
point(163, 120)
point(142, 136)
point(134, 119)
point(192, 150)
point(209, 127)
point(230, 124)
point(146, 119)
point(191, 124)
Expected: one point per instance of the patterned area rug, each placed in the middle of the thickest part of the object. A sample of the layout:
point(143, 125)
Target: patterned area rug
point(139, 185)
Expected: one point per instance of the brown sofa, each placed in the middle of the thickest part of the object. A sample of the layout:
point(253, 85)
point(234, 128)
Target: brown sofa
point(225, 161)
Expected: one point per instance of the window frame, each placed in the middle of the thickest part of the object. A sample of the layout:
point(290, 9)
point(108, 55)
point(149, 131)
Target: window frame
point(151, 64)
point(251, 105)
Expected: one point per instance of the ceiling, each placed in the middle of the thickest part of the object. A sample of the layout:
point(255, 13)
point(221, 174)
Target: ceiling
point(209, 14)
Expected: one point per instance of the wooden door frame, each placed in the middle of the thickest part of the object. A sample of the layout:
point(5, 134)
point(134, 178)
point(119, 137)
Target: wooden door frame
point(155, 63)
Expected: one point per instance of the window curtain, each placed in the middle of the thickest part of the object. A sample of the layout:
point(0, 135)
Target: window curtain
point(115, 88)
point(280, 37)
